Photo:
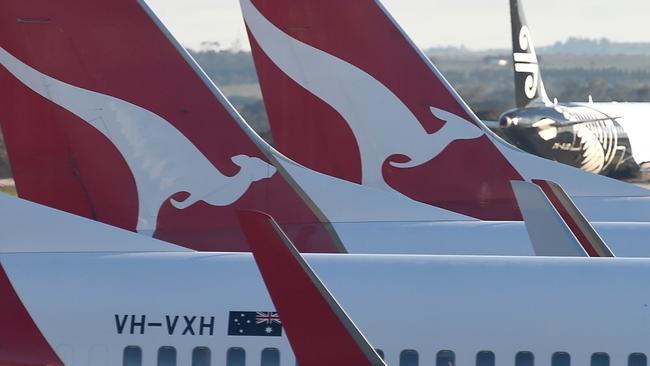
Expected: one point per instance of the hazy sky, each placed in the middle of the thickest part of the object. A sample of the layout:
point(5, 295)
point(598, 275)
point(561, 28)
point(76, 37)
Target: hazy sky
point(473, 23)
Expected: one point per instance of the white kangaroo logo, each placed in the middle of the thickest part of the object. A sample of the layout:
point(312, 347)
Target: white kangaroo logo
point(163, 161)
point(382, 125)
point(526, 62)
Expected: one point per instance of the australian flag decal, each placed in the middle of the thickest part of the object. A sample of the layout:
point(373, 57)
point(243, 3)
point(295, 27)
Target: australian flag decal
point(254, 323)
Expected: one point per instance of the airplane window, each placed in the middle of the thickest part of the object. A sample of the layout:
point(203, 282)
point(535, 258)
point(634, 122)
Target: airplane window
point(524, 359)
point(485, 358)
point(600, 359)
point(167, 356)
point(408, 357)
point(201, 356)
point(132, 356)
point(236, 357)
point(380, 353)
point(561, 359)
point(445, 358)
point(270, 357)
point(637, 359)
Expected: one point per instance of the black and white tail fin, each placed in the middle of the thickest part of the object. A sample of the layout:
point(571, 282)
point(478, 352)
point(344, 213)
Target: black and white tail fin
point(529, 87)
point(331, 338)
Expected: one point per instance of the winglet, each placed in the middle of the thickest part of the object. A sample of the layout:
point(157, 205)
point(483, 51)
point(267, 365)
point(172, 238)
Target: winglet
point(331, 338)
point(547, 230)
point(589, 239)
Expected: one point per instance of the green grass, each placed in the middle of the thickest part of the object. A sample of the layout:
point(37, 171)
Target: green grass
point(8, 190)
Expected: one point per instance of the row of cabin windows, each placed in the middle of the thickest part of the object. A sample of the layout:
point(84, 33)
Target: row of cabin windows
point(487, 358)
point(201, 356)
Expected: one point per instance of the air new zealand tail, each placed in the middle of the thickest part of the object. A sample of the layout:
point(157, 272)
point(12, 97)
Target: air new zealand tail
point(591, 136)
point(529, 87)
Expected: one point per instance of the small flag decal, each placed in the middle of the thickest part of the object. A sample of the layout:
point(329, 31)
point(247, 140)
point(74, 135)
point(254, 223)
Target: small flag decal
point(254, 323)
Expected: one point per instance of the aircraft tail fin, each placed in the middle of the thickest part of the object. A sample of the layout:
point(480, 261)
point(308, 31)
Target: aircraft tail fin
point(23, 343)
point(349, 94)
point(106, 115)
point(329, 339)
point(529, 87)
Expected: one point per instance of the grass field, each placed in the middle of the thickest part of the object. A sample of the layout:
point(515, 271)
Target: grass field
point(8, 190)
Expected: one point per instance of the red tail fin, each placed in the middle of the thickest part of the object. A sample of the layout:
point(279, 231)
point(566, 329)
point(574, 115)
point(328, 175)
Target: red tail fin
point(329, 339)
point(348, 94)
point(22, 341)
point(106, 116)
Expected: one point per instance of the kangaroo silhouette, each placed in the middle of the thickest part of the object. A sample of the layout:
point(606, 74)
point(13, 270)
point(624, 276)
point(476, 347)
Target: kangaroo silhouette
point(380, 132)
point(144, 139)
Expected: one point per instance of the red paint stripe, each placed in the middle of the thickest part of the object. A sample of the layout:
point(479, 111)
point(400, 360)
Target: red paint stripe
point(21, 342)
point(568, 219)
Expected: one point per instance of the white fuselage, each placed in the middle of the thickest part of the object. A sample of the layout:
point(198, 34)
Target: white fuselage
point(424, 303)
point(635, 120)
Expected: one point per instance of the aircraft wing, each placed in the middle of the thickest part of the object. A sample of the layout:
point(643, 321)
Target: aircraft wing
point(492, 125)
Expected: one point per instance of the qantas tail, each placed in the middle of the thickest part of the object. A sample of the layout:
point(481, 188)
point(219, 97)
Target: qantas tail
point(529, 87)
point(106, 116)
point(348, 94)
point(331, 338)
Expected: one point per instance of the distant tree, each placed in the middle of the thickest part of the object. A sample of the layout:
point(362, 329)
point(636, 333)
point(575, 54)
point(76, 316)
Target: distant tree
point(644, 93)
point(226, 67)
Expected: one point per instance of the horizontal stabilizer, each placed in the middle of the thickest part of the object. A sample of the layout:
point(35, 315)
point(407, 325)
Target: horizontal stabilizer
point(331, 338)
point(30, 227)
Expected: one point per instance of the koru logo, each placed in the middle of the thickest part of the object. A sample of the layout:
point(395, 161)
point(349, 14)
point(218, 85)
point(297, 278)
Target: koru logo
point(526, 62)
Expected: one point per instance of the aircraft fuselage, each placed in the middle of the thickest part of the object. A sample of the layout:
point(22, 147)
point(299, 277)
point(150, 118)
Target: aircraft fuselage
point(91, 307)
point(602, 138)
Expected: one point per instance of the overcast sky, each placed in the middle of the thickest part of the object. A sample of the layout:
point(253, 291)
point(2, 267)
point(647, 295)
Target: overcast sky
point(477, 24)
